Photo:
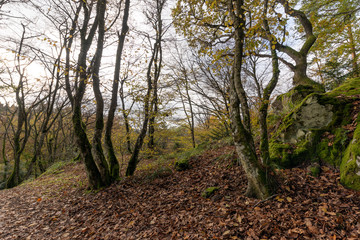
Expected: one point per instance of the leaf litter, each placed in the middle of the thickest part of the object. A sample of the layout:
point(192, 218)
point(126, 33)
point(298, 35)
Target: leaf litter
point(171, 207)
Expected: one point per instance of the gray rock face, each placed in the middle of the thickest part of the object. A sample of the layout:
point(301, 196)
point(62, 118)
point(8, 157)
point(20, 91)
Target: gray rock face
point(310, 115)
point(315, 115)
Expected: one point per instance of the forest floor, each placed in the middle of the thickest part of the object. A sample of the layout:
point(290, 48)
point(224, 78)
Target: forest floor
point(168, 205)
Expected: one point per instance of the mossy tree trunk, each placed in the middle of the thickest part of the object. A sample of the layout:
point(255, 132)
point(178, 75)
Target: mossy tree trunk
point(96, 180)
point(3, 150)
point(260, 182)
point(113, 162)
point(97, 149)
point(265, 98)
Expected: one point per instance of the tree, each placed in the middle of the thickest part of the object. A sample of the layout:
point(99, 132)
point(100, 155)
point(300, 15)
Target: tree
point(114, 164)
point(260, 179)
point(152, 78)
point(44, 115)
point(87, 33)
point(261, 183)
point(181, 75)
point(336, 49)
point(22, 129)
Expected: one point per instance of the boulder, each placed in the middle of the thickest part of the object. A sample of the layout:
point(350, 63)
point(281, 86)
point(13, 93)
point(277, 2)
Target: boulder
point(321, 128)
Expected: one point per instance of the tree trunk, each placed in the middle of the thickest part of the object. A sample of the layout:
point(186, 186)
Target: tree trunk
point(260, 182)
point(353, 51)
point(134, 159)
point(125, 115)
point(93, 174)
point(97, 150)
point(300, 57)
point(19, 145)
point(113, 162)
point(265, 98)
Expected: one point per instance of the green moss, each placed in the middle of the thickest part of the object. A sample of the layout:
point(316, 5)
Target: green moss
point(286, 102)
point(315, 171)
point(57, 167)
point(280, 154)
point(332, 146)
point(160, 172)
point(209, 192)
point(182, 164)
point(286, 155)
point(350, 165)
point(348, 88)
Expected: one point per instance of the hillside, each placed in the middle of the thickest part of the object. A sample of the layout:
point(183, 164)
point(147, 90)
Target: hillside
point(161, 204)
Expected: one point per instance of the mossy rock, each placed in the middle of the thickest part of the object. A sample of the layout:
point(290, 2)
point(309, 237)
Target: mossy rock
point(332, 145)
point(286, 155)
point(350, 164)
point(301, 136)
point(315, 170)
point(182, 165)
point(294, 141)
point(350, 88)
point(286, 102)
point(160, 172)
point(210, 191)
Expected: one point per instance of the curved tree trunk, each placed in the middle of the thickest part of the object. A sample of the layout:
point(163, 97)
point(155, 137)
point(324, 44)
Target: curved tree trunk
point(260, 179)
point(94, 175)
point(113, 162)
point(97, 149)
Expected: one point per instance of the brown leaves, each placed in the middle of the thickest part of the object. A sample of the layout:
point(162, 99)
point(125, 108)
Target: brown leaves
point(171, 208)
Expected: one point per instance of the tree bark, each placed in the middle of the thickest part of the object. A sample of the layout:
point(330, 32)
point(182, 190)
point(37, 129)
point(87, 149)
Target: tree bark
point(260, 182)
point(97, 149)
point(265, 98)
point(113, 162)
point(93, 173)
point(300, 57)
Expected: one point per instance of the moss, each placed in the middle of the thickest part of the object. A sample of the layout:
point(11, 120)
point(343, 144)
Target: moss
point(290, 155)
point(160, 172)
point(315, 170)
point(350, 165)
point(332, 145)
point(348, 88)
point(209, 192)
point(286, 102)
point(182, 164)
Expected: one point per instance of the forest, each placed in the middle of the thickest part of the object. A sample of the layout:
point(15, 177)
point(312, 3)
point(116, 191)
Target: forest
point(179, 119)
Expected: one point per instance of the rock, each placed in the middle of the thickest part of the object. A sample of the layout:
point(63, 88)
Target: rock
point(314, 169)
point(286, 102)
point(321, 128)
point(293, 141)
point(210, 191)
point(182, 165)
point(350, 164)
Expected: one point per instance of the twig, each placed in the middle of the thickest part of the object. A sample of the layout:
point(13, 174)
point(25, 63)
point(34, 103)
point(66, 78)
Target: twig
point(265, 200)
